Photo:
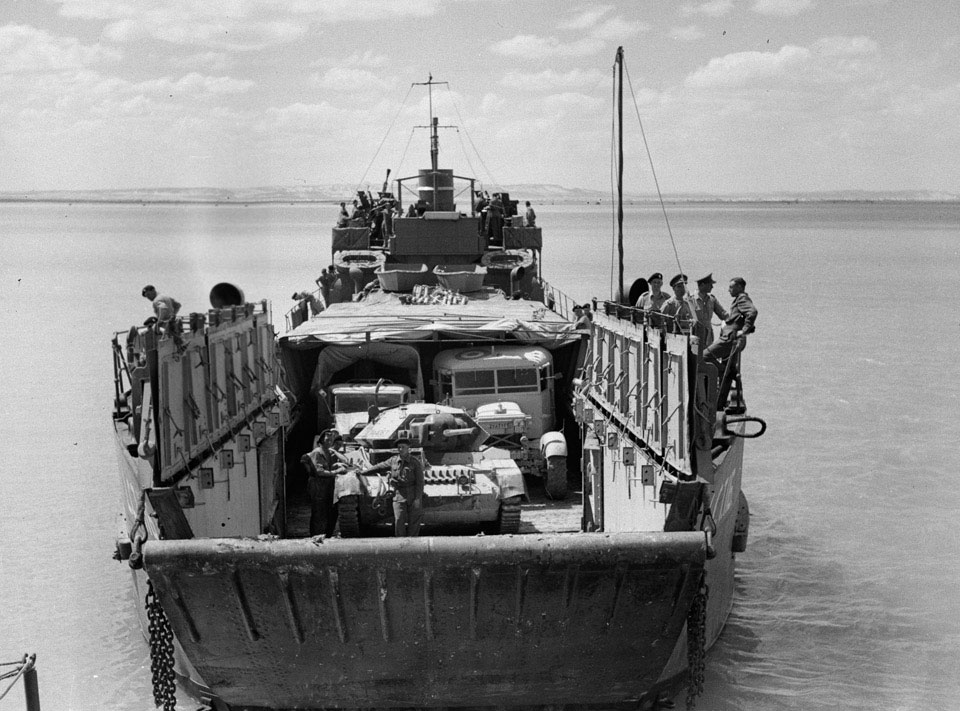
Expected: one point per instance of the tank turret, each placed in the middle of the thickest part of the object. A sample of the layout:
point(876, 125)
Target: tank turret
point(433, 428)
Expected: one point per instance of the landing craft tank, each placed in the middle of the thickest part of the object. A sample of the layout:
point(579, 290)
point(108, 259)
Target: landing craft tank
point(461, 487)
point(249, 612)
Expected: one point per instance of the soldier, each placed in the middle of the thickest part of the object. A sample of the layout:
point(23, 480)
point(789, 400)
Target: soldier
point(165, 309)
point(739, 322)
point(679, 311)
point(651, 301)
point(406, 480)
point(322, 465)
point(707, 306)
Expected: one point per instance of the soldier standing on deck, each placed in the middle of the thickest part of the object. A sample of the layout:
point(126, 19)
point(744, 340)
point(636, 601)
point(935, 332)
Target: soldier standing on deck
point(322, 465)
point(707, 306)
point(406, 479)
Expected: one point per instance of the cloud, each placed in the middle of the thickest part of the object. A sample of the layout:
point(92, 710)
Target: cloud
point(586, 18)
point(232, 24)
point(203, 31)
point(194, 85)
point(27, 49)
point(713, 8)
point(213, 61)
point(350, 80)
point(690, 33)
point(550, 80)
point(786, 8)
point(616, 29)
point(533, 47)
point(367, 60)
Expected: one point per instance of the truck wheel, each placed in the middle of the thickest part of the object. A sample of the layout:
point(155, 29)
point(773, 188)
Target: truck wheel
point(348, 515)
point(556, 482)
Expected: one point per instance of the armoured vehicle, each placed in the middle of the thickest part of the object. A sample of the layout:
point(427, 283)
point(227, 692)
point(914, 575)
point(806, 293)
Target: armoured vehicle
point(461, 487)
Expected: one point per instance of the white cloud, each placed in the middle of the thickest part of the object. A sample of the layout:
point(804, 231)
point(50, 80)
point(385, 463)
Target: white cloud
point(785, 8)
point(690, 33)
point(550, 80)
point(195, 85)
point(26, 49)
point(533, 47)
point(586, 18)
point(713, 8)
point(748, 68)
point(213, 61)
point(232, 24)
point(349, 80)
point(616, 29)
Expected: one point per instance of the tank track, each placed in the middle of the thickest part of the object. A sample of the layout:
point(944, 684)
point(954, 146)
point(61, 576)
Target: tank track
point(348, 516)
point(510, 516)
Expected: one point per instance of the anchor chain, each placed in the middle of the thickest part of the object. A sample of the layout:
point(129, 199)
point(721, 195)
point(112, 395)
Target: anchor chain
point(697, 644)
point(161, 653)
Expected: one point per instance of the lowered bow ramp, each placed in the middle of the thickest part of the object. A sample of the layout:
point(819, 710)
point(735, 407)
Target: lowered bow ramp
point(454, 621)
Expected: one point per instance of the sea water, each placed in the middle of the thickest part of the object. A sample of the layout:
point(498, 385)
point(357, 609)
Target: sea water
point(847, 595)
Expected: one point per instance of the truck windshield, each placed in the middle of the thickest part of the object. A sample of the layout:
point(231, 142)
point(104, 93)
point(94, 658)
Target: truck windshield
point(360, 402)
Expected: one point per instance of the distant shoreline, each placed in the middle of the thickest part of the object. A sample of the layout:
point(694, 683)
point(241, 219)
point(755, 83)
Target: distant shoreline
point(540, 200)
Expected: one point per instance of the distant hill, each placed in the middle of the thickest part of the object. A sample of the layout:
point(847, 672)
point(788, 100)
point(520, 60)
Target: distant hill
point(542, 193)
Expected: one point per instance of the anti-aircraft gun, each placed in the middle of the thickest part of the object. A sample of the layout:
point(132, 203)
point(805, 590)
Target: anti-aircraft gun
point(462, 489)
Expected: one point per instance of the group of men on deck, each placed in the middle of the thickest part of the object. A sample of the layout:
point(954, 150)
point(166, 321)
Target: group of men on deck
point(405, 478)
point(693, 313)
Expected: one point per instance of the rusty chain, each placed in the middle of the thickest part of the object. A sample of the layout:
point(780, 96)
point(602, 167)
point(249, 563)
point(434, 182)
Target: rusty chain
point(161, 653)
point(697, 644)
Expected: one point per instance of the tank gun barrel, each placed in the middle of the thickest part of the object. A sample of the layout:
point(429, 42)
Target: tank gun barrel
point(459, 432)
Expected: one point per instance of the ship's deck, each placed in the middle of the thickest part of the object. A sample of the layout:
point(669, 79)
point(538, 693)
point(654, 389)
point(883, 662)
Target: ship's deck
point(538, 515)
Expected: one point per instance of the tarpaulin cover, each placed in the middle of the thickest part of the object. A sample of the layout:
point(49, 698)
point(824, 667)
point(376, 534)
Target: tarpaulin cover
point(335, 358)
point(383, 316)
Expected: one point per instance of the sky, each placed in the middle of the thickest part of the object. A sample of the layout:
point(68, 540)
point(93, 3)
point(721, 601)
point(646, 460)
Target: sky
point(735, 96)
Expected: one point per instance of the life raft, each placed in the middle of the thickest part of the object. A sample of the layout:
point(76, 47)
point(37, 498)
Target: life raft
point(367, 260)
point(507, 259)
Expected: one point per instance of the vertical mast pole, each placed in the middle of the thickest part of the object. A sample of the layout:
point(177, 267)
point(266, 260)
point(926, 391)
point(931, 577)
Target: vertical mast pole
point(620, 295)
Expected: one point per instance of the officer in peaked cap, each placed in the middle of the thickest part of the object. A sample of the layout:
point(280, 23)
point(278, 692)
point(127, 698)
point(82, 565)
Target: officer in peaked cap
point(679, 311)
point(651, 301)
point(707, 305)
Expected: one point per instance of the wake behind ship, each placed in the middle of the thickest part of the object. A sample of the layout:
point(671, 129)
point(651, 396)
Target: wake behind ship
point(436, 327)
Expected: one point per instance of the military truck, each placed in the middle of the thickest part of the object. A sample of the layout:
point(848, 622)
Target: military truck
point(511, 393)
point(463, 489)
point(351, 404)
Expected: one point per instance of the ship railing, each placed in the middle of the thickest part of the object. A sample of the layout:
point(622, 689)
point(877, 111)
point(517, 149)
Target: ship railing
point(307, 303)
point(558, 302)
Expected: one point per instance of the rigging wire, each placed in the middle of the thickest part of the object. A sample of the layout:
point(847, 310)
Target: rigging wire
point(456, 108)
point(466, 157)
point(404, 154)
point(384, 140)
point(653, 171)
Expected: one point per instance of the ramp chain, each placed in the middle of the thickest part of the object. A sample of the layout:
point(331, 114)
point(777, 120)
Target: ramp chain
point(161, 653)
point(697, 644)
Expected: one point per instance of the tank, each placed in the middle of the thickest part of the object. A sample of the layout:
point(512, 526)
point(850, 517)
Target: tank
point(463, 490)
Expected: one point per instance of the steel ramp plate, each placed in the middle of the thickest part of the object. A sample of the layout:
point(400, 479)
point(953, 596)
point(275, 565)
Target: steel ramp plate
point(444, 621)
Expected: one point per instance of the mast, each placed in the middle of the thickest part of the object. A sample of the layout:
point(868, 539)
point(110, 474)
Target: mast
point(619, 64)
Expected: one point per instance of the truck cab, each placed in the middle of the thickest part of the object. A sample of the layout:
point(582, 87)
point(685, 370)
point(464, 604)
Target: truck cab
point(351, 404)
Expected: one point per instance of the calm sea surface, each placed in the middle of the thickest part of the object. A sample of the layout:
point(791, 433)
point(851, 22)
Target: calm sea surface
point(849, 592)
